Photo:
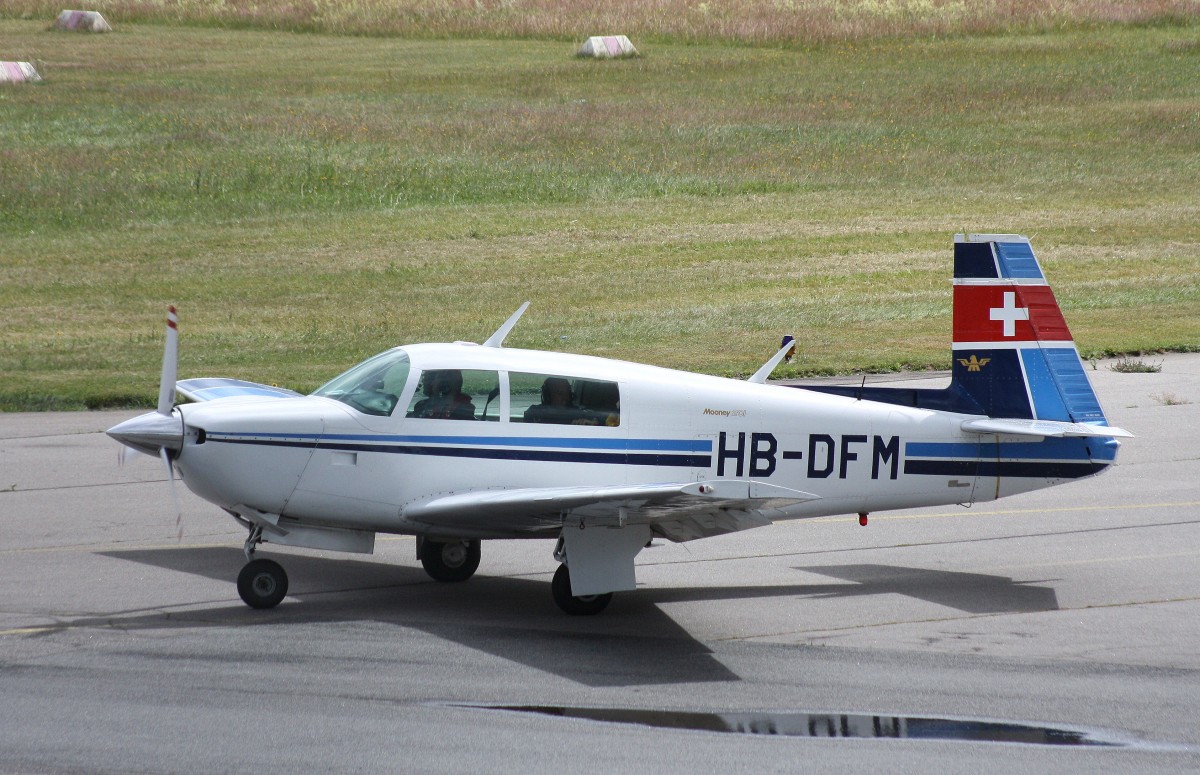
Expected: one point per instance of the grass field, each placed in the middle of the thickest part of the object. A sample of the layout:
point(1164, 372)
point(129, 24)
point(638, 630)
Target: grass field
point(754, 22)
point(307, 200)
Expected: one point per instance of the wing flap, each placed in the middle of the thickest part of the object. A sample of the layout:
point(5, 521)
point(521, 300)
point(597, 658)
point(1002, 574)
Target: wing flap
point(679, 511)
point(1043, 428)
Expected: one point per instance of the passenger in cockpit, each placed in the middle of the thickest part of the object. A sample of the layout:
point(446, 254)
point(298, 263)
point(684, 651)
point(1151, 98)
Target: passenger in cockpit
point(558, 403)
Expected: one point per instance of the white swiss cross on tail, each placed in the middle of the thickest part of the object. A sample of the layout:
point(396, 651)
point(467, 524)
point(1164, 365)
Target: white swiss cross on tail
point(1010, 313)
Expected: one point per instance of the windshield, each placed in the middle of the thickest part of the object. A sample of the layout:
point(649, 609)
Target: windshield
point(373, 386)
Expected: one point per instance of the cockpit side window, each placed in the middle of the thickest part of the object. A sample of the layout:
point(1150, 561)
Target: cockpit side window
point(559, 400)
point(456, 394)
point(373, 386)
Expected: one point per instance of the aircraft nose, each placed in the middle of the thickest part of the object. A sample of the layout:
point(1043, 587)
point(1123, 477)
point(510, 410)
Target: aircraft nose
point(150, 432)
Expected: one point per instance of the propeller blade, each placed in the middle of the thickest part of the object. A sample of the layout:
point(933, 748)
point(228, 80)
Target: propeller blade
point(170, 365)
point(161, 431)
point(128, 455)
point(162, 451)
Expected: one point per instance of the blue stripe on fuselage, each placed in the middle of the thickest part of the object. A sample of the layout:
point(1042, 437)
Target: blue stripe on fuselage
point(1100, 449)
point(1053, 458)
point(654, 458)
point(651, 452)
point(641, 445)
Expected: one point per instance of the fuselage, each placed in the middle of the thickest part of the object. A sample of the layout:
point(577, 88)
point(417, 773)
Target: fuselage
point(366, 453)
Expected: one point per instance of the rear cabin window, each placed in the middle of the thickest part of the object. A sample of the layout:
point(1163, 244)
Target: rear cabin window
point(557, 400)
point(457, 394)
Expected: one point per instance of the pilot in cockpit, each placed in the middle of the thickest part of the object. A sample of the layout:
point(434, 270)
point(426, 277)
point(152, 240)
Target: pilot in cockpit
point(444, 399)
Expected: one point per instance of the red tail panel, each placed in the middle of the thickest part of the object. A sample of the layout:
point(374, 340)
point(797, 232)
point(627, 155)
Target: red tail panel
point(1001, 313)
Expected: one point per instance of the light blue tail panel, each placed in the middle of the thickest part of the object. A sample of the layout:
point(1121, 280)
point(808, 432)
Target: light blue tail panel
point(1059, 386)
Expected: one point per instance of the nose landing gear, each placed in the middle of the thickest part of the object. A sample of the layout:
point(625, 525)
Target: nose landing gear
point(262, 583)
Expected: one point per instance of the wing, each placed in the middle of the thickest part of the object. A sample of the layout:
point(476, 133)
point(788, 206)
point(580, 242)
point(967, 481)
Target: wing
point(209, 388)
point(679, 511)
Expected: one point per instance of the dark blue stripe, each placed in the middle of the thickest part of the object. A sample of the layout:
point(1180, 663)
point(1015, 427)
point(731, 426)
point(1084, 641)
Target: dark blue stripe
point(997, 388)
point(1017, 469)
point(974, 260)
point(1046, 449)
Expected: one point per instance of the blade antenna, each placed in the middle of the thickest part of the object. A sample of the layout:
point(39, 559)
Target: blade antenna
point(497, 339)
point(761, 375)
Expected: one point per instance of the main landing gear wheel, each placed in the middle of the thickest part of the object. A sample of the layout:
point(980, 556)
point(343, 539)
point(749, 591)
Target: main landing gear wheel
point(452, 561)
point(587, 605)
point(262, 583)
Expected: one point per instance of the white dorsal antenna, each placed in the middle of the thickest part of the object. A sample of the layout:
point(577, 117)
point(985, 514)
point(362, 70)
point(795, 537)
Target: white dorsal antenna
point(497, 339)
point(761, 375)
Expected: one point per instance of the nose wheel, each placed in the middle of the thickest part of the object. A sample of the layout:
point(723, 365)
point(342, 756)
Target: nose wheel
point(262, 583)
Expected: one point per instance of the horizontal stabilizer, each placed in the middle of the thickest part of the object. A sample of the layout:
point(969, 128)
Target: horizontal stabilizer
point(1043, 428)
point(210, 388)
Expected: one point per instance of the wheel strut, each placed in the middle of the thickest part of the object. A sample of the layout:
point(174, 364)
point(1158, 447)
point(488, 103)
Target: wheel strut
point(252, 541)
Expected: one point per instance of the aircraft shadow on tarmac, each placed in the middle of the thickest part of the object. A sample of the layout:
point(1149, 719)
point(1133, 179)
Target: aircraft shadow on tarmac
point(512, 618)
point(634, 643)
point(973, 593)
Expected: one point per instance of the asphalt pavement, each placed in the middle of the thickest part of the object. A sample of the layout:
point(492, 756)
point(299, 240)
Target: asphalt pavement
point(1057, 631)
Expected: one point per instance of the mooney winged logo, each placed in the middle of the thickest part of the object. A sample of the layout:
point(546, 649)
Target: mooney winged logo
point(974, 363)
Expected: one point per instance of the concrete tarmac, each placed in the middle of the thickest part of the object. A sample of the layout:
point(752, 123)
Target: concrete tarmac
point(126, 649)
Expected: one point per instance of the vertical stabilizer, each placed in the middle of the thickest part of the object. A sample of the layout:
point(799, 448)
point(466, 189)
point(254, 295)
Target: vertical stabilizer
point(1013, 353)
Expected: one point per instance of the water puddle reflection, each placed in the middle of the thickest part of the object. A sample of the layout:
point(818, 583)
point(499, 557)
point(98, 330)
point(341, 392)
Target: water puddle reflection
point(831, 725)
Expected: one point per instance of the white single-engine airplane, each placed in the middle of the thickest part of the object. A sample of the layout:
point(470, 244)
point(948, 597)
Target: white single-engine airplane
point(454, 443)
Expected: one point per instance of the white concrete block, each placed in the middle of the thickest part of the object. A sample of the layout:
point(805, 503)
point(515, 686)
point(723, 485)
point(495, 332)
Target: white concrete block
point(82, 21)
point(18, 72)
point(607, 47)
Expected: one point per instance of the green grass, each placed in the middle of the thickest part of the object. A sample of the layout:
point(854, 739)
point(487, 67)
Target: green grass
point(308, 200)
point(753, 22)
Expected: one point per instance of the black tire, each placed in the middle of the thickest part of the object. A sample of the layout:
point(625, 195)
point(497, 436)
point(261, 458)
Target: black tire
point(588, 605)
point(262, 583)
point(450, 561)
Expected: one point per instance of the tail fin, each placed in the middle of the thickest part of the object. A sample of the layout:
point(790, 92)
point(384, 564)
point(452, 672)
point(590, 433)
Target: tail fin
point(1013, 353)
point(1014, 359)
